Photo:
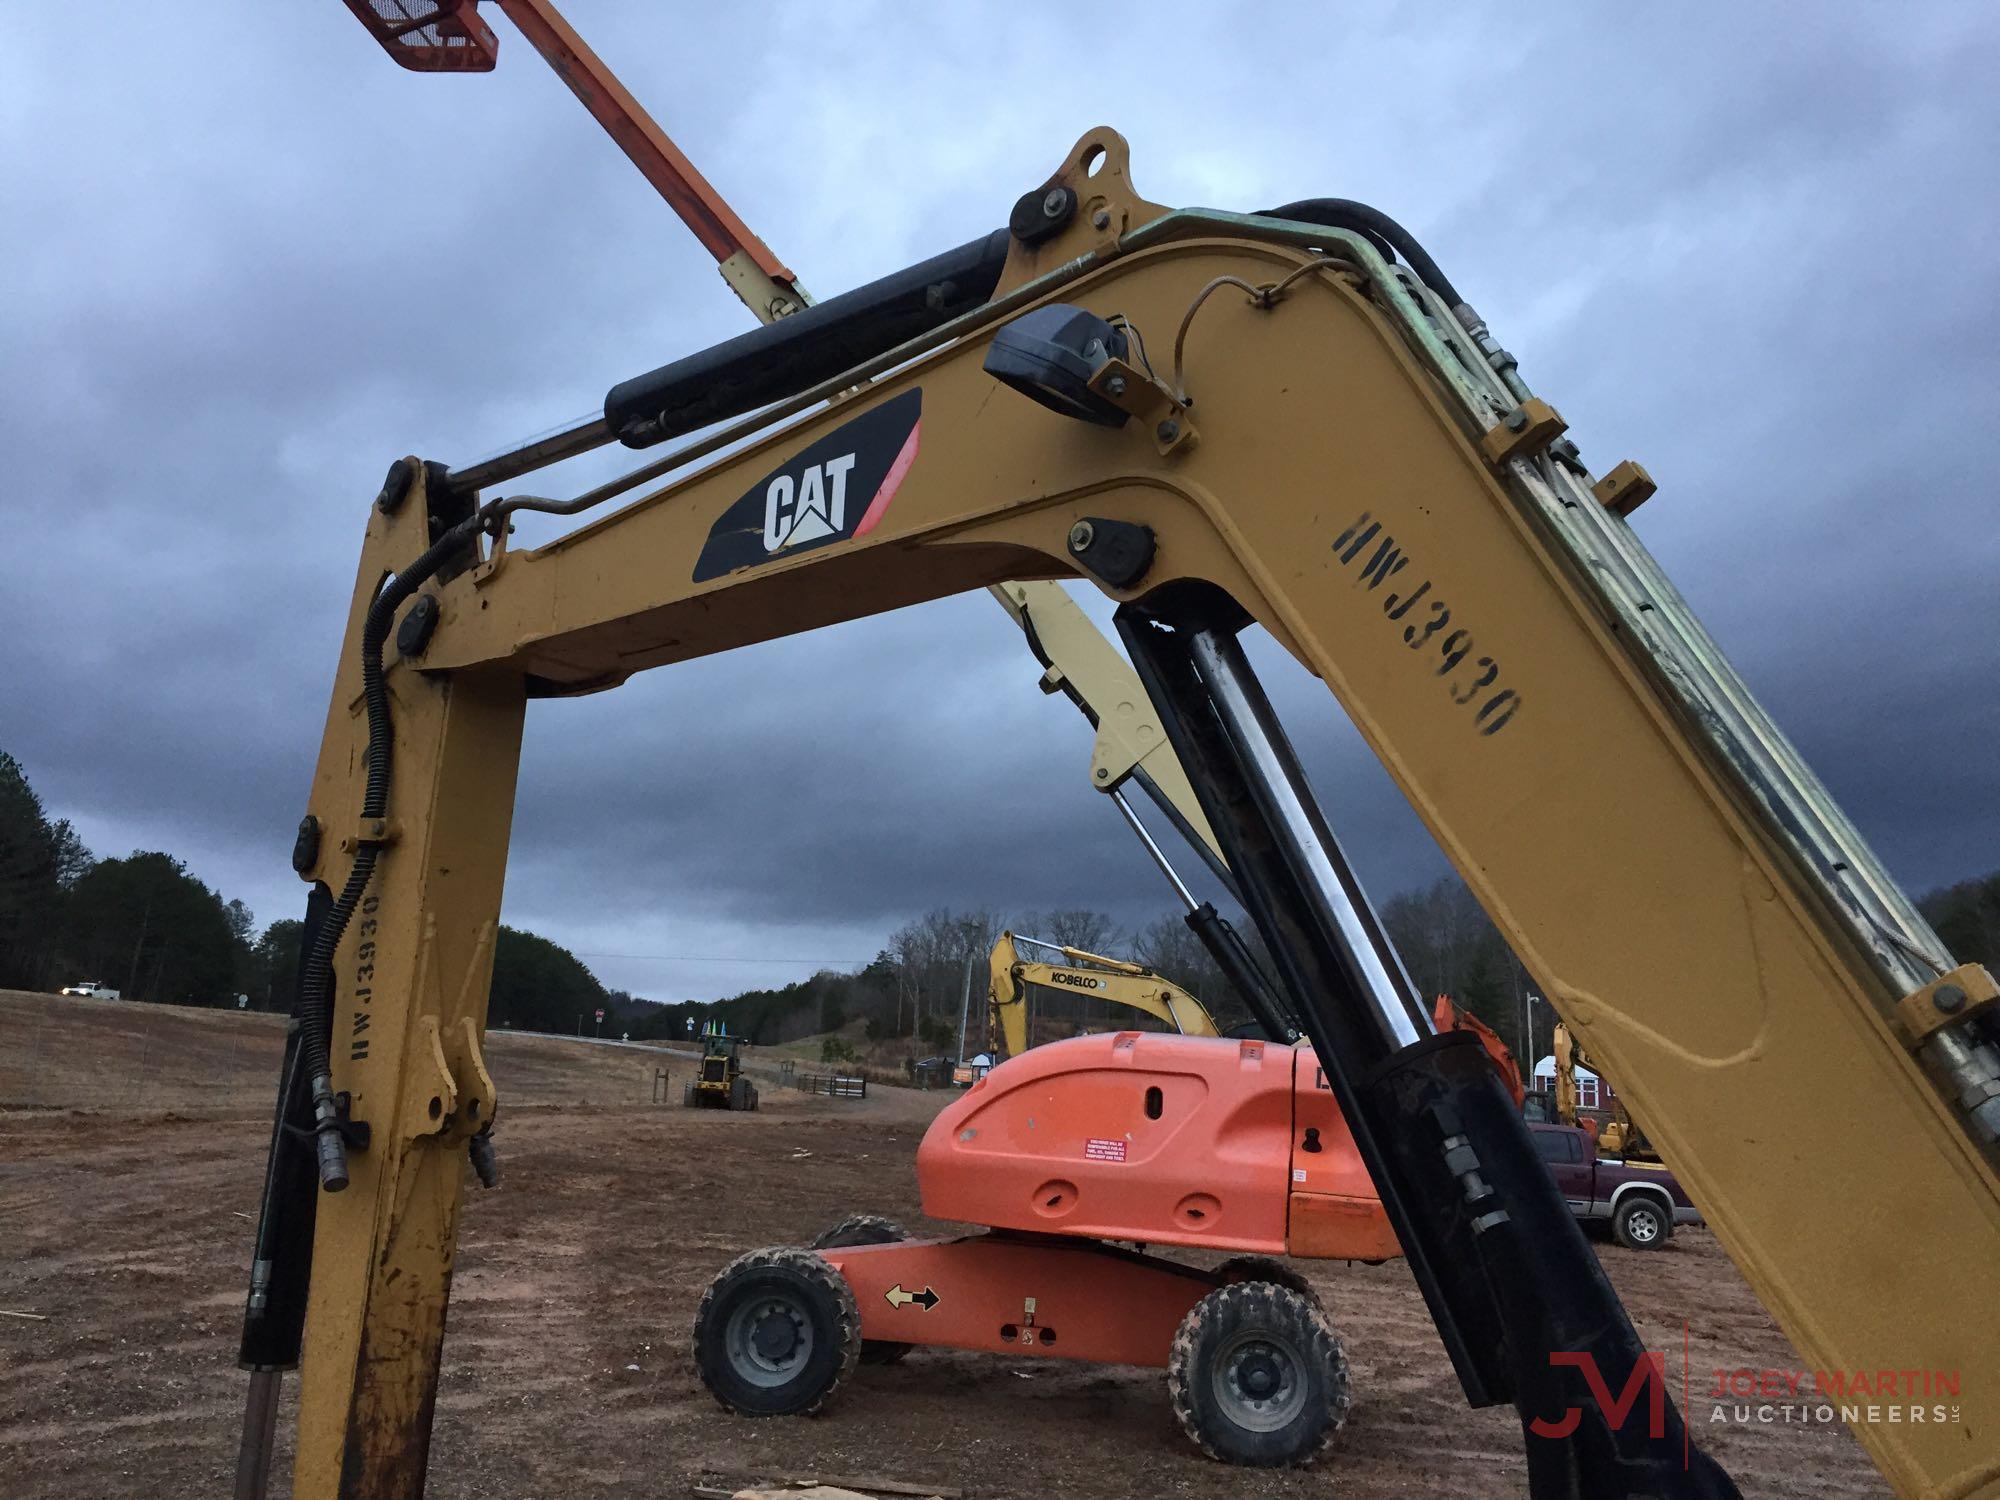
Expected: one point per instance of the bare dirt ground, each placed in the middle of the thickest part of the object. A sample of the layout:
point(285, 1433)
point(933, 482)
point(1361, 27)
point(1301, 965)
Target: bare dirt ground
point(131, 1145)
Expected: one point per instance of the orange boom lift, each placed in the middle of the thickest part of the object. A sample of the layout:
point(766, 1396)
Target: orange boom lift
point(449, 36)
point(1212, 1143)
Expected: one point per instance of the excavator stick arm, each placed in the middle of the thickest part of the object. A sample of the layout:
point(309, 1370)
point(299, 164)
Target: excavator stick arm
point(1146, 992)
point(1115, 981)
point(1451, 1017)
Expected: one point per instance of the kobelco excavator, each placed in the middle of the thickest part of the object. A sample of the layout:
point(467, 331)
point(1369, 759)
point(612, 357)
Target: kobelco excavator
point(1292, 418)
point(1115, 981)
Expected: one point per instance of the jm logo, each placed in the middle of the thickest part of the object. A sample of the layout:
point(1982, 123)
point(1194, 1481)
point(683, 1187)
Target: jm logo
point(807, 508)
point(1649, 1375)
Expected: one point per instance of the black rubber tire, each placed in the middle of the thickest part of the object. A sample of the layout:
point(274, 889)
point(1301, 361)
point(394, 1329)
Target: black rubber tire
point(867, 1229)
point(1642, 1223)
point(1281, 1335)
point(785, 1283)
point(1268, 1268)
point(861, 1229)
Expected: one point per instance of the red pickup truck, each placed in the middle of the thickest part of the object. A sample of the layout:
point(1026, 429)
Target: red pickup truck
point(1641, 1203)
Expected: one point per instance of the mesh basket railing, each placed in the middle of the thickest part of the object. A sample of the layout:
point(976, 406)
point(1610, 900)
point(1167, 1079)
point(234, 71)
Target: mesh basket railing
point(430, 36)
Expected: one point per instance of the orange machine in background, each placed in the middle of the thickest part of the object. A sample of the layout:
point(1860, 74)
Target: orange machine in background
point(1450, 1017)
point(1138, 1138)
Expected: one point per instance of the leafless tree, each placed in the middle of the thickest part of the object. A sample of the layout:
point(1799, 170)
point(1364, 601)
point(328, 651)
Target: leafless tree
point(930, 955)
point(1170, 949)
point(1451, 947)
point(1073, 927)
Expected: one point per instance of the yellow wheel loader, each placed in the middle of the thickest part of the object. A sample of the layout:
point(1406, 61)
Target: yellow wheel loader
point(719, 1081)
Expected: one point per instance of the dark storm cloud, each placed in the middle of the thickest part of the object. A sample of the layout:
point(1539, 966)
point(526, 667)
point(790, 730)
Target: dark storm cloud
point(1750, 247)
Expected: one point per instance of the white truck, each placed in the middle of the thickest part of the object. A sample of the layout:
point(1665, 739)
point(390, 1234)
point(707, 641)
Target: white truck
point(91, 989)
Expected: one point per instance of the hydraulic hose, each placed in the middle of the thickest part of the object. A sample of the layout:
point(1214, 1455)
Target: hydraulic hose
point(316, 995)
point(1385, 232)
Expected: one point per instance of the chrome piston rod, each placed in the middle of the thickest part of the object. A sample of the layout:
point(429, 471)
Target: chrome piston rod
point(1159, 855)
point(1278, 783)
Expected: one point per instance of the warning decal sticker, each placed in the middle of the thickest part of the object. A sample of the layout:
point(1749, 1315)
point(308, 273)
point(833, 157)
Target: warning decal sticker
point(1097, 1150)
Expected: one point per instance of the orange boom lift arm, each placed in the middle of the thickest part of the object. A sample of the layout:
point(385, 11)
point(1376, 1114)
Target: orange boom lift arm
point(450, 36)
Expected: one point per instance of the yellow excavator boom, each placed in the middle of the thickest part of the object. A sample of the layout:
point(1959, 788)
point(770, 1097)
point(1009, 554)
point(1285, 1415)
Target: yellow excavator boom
point(1362, 472)
point(1618, 1135)
point(1112, 980)
point(1563, 1047)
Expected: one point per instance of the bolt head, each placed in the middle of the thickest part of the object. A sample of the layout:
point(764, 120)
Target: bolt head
point(1052, 203)
point(1168, 430)
point(1103, 774)
point(1516, 420)
point(1100, 220)
point(1081, 535)
point(1949, 999)
point(1115, 386)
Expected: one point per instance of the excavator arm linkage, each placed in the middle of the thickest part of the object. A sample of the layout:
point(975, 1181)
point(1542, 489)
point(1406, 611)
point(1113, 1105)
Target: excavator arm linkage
point(1107, 980)
point(1361, 472)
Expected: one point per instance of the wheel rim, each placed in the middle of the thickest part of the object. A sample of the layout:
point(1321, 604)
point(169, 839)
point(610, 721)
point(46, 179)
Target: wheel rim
point(1259, 1381)
point(1643, 1224)
point(769, 1338)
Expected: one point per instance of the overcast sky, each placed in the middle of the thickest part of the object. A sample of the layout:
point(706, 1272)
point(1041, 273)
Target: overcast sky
point(247, 261)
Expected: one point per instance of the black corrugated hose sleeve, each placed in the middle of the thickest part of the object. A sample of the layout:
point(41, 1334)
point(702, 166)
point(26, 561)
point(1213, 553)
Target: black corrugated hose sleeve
point(316, 999)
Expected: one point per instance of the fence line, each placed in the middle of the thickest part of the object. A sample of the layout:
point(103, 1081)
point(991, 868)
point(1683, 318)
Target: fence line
point(834, 1085)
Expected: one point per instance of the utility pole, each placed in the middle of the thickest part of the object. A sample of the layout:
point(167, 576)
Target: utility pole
point(132, 979)
point(965, 1009)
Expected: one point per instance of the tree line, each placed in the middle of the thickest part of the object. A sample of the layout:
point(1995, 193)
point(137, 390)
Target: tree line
point(152, 931)
point(917, 986)
point(929, 980)
point(147, 927)
point(141, 924)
